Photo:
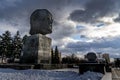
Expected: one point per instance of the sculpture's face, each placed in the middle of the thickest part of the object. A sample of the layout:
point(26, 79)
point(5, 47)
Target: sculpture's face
point(41, 22)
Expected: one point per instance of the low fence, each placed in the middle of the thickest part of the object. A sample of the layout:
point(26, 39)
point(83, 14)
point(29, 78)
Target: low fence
point(17, 66)
point(50, 66)
point(35, 66)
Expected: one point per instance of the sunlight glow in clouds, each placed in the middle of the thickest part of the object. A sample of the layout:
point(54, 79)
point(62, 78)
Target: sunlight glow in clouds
point(107, 31)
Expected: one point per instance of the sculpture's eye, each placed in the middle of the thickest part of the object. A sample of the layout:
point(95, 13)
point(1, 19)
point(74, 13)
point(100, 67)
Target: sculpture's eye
point(48, 18)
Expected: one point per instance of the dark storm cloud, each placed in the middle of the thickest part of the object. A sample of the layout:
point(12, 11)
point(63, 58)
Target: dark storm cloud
point(22, 7)
point(94, 9)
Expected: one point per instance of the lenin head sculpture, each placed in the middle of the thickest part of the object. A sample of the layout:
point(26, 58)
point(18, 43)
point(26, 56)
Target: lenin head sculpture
point(41, 22)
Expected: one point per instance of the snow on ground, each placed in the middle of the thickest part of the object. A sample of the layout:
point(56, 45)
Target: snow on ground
point(10, 74)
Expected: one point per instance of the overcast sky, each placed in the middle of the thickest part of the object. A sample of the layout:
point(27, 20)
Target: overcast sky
point(79, 26)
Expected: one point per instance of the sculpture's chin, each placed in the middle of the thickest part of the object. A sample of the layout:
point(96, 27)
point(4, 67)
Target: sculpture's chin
point(48, 31)
point(42, 31)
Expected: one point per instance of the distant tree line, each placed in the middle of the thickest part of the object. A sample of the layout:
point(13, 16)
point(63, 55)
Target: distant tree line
point(10, 47)
point(71, 59)
point(56, 58)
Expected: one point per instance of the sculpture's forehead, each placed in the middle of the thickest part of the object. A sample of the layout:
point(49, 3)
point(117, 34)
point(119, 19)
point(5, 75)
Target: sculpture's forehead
point(42, 13)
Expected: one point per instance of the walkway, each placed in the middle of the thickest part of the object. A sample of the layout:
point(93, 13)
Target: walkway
point(107, 76)
point(115, 74)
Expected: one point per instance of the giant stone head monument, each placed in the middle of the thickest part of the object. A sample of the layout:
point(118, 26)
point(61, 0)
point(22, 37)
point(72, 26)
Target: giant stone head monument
point(37, 47)
point(41, 22)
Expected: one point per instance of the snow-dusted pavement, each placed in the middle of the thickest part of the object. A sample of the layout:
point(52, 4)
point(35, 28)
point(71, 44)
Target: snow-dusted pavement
point(10, 74)
point(107, 76)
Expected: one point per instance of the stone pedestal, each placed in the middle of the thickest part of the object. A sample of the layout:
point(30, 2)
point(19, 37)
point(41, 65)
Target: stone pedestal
point(94, 67)
point(37, 49)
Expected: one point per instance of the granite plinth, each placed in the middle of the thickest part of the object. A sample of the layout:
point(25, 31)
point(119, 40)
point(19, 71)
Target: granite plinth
point(37, 49)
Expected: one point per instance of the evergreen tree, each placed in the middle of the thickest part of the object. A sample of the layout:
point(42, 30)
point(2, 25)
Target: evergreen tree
point(1, 46)
point(17, 45)
point(56, 55)
point(52, 56)
point(5, 44)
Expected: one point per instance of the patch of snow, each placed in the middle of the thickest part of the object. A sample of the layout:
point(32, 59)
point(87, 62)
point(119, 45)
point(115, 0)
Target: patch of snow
point(10, 74)
point(91, 76)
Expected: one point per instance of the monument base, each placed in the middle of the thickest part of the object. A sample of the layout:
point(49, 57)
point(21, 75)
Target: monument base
point(37, 49)
point(94, 67)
